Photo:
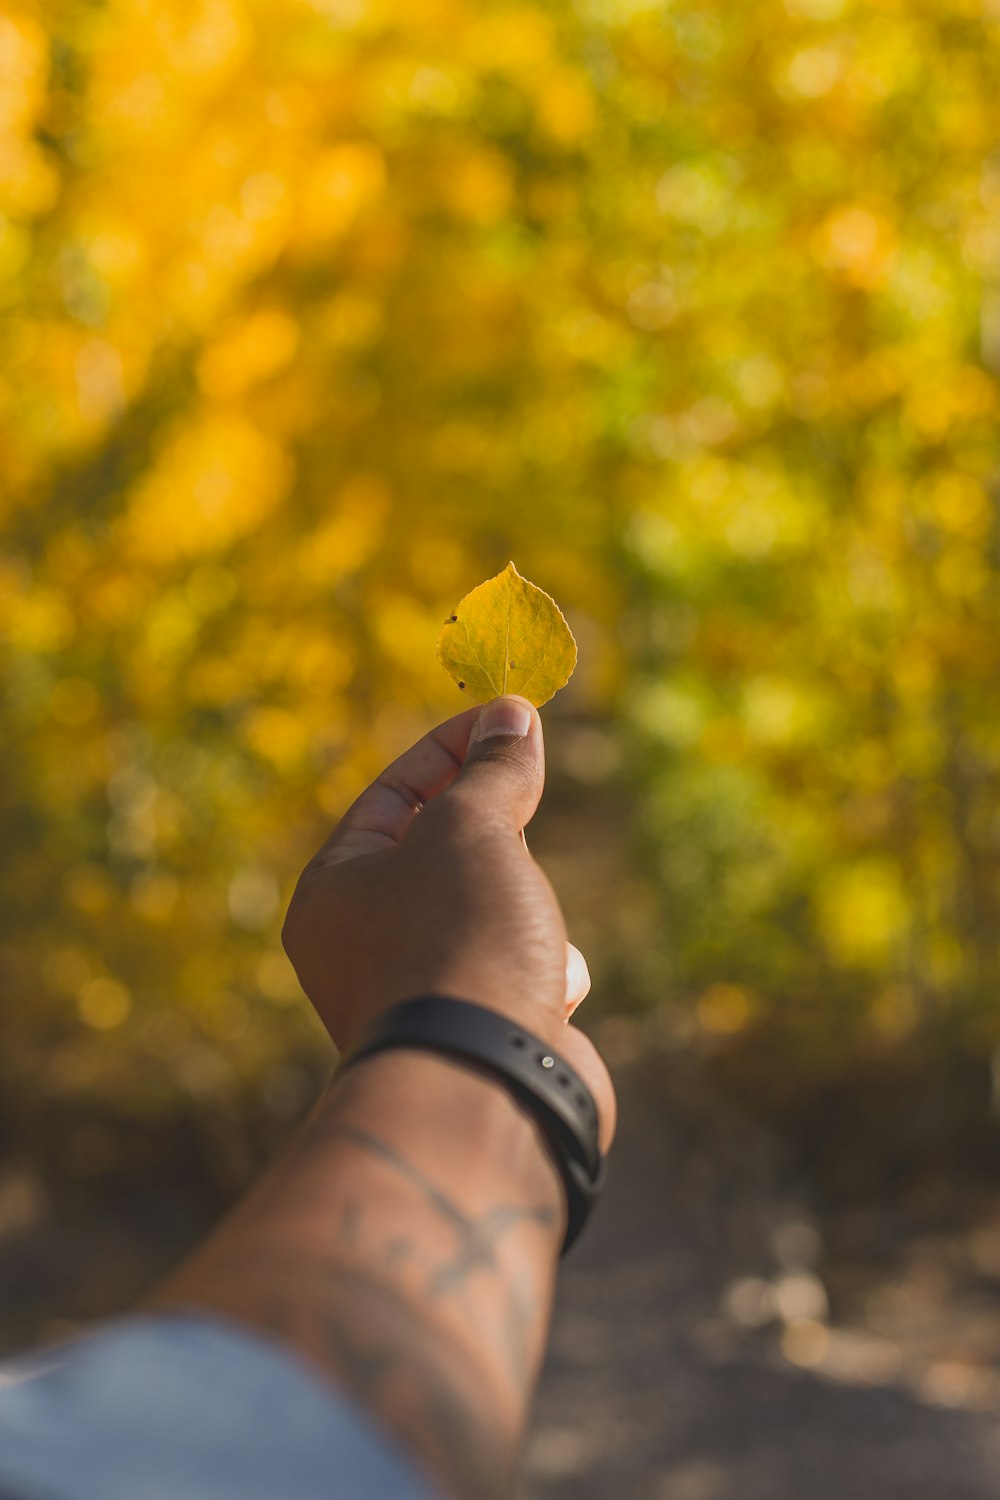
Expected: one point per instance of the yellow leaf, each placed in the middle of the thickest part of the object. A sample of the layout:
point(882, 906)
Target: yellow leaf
point(508, 636)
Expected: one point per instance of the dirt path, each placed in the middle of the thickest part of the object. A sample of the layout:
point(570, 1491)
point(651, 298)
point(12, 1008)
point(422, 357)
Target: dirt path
point(693, 1357)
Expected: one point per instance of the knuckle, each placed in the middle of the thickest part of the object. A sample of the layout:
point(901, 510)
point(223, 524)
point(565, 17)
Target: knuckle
point(449, 812)
point(456, 823)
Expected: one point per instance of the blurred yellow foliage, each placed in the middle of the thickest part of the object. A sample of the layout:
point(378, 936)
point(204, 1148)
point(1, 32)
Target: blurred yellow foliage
point(863, 911)
point(314, 312)
point(214, 482)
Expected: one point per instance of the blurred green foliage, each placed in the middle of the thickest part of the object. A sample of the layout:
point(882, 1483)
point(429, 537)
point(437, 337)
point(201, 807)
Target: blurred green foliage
point(314, 314)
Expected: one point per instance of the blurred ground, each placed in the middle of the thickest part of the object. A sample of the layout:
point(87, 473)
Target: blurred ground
point(734, 1325)
point(770, 1311)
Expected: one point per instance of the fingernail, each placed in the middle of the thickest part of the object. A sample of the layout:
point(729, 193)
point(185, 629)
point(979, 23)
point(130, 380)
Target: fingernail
point(503, 716)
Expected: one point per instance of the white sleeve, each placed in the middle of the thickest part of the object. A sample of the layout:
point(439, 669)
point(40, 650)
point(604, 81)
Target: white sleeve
point(184, 1407)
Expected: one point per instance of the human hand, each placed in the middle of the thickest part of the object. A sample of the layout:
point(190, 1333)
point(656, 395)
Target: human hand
point(426, 886)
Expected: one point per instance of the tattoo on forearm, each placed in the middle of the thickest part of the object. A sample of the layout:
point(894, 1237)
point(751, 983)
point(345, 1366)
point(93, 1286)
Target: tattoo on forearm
point(389, 1356)
point(396, 1253)
point(368, 1303)
point(369, 1142)
point(523, 1310)
point(477, 1240)
point(384, 1346)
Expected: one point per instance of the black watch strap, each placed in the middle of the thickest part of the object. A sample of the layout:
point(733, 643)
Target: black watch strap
point(542, 1081)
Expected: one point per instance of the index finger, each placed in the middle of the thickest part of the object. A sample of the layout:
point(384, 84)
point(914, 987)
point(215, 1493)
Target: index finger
point(384, 811)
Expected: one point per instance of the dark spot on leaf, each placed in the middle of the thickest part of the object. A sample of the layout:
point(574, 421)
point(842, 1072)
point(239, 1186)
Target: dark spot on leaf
point(452, 619)
point(513, 665)
point(461, 684)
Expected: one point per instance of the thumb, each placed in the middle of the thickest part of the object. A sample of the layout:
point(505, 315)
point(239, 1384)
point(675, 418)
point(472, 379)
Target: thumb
point(504, 770)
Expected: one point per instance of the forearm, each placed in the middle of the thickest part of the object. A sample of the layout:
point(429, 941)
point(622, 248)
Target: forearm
point(406, 1245)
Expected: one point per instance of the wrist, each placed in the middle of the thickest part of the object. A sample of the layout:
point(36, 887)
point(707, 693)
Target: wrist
point(465, 1124)
point(538, 1076)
